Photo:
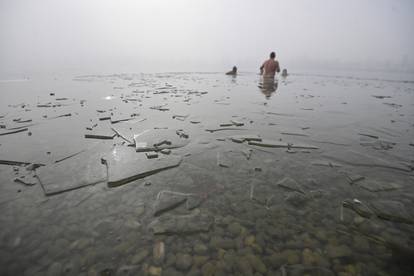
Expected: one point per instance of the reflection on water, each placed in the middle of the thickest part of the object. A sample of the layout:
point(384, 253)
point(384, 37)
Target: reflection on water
point(268, 86)
point(306, 182)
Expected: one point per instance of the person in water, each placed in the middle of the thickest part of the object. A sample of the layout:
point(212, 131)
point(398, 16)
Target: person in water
point(232, 72)
point(284, 73)
point(270, 67)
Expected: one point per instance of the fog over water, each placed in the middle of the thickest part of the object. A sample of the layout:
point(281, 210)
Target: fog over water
point(98, 36)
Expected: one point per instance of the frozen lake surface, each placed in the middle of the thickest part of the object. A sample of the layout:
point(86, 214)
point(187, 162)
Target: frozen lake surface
point(207, 174)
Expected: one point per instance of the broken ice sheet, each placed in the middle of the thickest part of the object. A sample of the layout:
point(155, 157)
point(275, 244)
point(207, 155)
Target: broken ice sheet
point(325, 163)
point(151, 154)
point(109, 134)
point(75, 172)
point(379, 144)
point(222, 160)
point(60, 116)
point(269, 144)
point(353, 178)
point(378, 186)
point(223, 129)
point(155, 140)
point(180, 117)
point(160, 107)
point(355, 158)
point(168, 202)
point(27, 180)
point(22, 120)
point(126, 165)
point(392, 210)
point(7, 132)
point(120, 118)
point(290, 184)
point(245, 137)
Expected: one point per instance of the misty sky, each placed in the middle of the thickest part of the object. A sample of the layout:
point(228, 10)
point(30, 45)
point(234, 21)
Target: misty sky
point(97, 36)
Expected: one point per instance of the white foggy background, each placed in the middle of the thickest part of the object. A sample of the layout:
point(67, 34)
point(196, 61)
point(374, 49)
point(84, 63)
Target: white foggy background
point(103, 36)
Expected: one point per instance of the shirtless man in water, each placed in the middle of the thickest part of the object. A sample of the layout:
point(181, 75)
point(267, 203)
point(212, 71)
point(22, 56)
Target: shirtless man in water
point(270, 67)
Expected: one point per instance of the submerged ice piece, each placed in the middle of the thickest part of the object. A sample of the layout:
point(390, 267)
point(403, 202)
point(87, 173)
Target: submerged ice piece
point(269, 144)
point(354, 158)
point(378, 186)
point(167, 203)
point(75, 172)
point(290, 184)
point(6, 132)
point(222, 160)
point(158, 139)
point(126, 165)
point(392, 210)
point(182, 224)
point(182, 133)
point(109, 134)
point(120, 118)
point(358, 207)
point(245, 137)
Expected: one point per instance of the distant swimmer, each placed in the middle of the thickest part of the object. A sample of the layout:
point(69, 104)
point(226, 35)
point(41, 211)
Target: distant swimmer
point(232, 72)
point(270, 67)
point(284, 73)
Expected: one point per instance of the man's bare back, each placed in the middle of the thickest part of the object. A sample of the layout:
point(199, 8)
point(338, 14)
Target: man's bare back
point(270, 67)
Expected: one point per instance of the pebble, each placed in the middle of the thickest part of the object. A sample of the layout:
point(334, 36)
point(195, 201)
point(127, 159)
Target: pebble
point(133, 224)
point(234, 229)
point(338, 251)
point(171, 272)
point(361, 244)
point(199, 260)
point(257, 264)
point(200, 249)
point(218, 242)
point(208, 269)
point(243, 265)
point(276, 260)
point(54, 269)
point(292, 256)
point(307, 257)
point(159, 252)
point(249, 240)
point(154, 271)
point(138, 258)
point(183, 261)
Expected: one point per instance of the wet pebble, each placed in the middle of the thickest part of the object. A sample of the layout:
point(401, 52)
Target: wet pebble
point(292, 256)
point(183, 261)
point(159, 252)
point(244, 267)
point(199, 261)
point(234, 229)
point(218, 242)
point(154, 271)
point(200, 249)
point(208, 269)
point(54, 269)
point(139, 257)
point(338, 251)
point(249, 240)
point(172, 272)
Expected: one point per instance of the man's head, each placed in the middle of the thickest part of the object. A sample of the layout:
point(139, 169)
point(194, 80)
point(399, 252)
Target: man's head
point(234, 69)
point(272, 55)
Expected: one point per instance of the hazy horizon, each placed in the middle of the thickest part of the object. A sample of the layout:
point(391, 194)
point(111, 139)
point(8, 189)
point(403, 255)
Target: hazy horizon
point(158, 36)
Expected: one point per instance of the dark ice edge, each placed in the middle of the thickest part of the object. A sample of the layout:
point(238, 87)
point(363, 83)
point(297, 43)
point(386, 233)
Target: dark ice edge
point(118, 183)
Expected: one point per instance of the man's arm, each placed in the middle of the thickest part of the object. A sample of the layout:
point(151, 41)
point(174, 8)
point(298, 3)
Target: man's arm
point(277, 67)
point(261, 68)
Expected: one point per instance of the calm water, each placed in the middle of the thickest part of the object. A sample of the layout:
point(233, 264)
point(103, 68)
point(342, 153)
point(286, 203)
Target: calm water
point(335, 197)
